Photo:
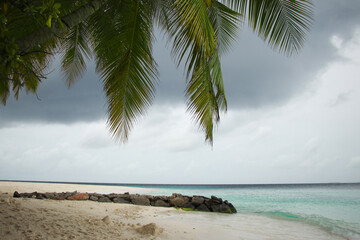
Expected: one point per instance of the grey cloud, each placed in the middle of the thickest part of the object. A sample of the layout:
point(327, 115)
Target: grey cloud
point(341, 98)
point(85, 101)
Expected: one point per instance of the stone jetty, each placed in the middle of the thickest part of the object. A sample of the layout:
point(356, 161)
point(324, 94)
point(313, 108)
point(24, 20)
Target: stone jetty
point(195, 203)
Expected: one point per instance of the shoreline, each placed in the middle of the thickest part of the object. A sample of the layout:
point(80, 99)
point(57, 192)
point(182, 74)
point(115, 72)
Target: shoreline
point(59, 219)
point(7, 186)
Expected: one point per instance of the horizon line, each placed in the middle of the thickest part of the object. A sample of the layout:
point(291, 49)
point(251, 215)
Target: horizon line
point(182, 184)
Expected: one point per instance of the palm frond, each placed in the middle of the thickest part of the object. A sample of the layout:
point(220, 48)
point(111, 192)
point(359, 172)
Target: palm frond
point(206, 95)
point(226, 24)
point(199, 29)
point(281, 23)
point(127, 67)
point(191, 30)
point(75, 46)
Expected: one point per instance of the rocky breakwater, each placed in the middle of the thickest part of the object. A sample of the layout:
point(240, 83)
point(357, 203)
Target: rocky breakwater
point(195, 203)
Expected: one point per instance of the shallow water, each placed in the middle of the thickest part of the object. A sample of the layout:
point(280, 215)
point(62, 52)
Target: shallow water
point(334, 208)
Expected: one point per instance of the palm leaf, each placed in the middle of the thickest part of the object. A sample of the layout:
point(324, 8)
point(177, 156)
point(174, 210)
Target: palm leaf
point(226, 24)
point(191, 24)
point(75, 47)
point(191, 31)
point(281, 23)
point(206, 95)
point(127, 67)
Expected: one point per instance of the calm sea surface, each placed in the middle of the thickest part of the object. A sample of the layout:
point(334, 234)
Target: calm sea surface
point(334, 208)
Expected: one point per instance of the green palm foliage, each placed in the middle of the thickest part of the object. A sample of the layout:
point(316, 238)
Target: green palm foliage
point(119, 34)
point(75, 47)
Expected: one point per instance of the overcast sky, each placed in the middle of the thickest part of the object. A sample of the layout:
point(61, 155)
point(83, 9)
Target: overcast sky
point(289, 120)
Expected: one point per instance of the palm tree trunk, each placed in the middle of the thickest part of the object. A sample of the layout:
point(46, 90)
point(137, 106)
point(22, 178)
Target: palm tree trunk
point(45, 33)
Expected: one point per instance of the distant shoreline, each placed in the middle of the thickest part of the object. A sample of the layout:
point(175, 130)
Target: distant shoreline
point(219, 185)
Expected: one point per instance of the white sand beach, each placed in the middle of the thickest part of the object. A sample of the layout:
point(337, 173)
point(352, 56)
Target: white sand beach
point(24, 218)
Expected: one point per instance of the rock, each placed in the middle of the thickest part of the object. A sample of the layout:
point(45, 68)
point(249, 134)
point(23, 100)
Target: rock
point(174, 195)
point(161, 203)
point(49, 195)
point(104, 199)
point(140, 200)
point(69, 194)
point(120, 200)
point(196, 201)
point(16, 195)
point(58, 198)
point(150, 229)
point(178, 201)
point(79, 196)
point(106, 220)
point(150, 197)
point(164, 198)
point(222, 208)
point(93, 197)
point(39, 196)
point(233, 209)
point(203, 207)
point(215, 199)
point(112, 195)
point(125, 196)
point(189, 205)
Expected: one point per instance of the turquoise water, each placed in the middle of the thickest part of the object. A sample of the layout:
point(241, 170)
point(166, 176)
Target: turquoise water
point(332, 207)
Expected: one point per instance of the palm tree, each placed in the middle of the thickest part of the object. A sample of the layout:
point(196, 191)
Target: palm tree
point(119, 34)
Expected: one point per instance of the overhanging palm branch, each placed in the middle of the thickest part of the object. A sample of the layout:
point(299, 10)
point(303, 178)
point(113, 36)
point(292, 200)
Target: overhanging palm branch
point(206, 94)
point(127, 67)
point(191, 31)
point(75, 47)
point(205, 90)
point(281, 23)
point(226, 24)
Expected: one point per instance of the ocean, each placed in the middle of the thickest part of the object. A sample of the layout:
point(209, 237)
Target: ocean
point(334, 208)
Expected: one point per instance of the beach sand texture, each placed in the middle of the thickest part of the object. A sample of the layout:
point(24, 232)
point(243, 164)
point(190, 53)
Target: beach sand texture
point(52, 219)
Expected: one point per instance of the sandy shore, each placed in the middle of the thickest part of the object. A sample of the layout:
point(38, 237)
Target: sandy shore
point(51, 219)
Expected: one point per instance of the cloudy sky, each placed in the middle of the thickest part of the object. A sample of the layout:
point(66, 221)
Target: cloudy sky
point(289, 120)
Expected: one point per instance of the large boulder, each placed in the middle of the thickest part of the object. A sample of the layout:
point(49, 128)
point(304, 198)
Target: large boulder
point(178, 202)
point(16, 194)
point(111, 196)
point(79, 196)
point(233, 209)
point(203, 207)
point(140, 200)
point(39, 196)
point(125, 196)
point(222, 208)
point(197, 201)
point(93, 197)
point(58, 197)
point(103, 199)
point(189, 206)
point(161, 203)
point(120, 200)
point(216, 199)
